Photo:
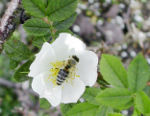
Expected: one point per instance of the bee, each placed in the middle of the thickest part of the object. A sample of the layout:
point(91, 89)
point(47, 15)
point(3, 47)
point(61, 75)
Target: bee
point(64, 73)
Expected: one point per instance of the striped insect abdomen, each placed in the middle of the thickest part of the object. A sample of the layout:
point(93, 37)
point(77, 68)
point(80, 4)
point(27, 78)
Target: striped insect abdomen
point(62, 75)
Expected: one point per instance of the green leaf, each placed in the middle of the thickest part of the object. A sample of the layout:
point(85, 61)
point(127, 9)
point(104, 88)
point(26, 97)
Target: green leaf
point(147, 90)
point(119, 98)
point(138, 73)
point(4, 66)
point(59, 10)
point(44, 104)
point(17, 50)
point(115, 114)
point(83, 109)
point(113, 71)
point(21, 74)
point(36, 27)
point(90, 95)
point(103, 111)
point(136, 112)
point(65, 24)
point(65, 108)
point(43, 4)
point(142, 102)
point(38, 41)
point(34, 7)
point(13, 63)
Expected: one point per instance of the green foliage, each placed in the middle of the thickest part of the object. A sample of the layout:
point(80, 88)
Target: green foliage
point(65, 24)
point(4, 66)
point(65, 108)
point(115, 114)
point(8, 102)
point(86, 109)
point(34, 7)
point(13, 63)
point(21, 73)
point(147, 90)
point(44, 104)
point(104, 111)
point(119, 98)
point(83, 109)
point(113, 71)
point(38, 41)
point(50, 17)
point(142, 102)
point(7, 96)
point(136, 112)
point(138, 73)
point(36, 27)
point(59, 10)
point(136, 79)
point(16, 50)
point(56, 10)
point(90, 95)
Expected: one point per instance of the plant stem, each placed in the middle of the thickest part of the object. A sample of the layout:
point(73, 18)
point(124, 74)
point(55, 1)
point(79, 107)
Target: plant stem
point(10, 20)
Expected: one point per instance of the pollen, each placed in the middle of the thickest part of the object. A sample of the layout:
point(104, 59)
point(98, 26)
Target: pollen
point(55, 68)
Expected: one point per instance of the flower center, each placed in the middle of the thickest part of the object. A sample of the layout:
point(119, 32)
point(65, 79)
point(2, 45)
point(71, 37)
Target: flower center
point(55, 71)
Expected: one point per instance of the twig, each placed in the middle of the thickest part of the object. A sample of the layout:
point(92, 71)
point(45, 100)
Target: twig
point(10, 20)
point(23, 97)
point(126, 15)
point(9, 84)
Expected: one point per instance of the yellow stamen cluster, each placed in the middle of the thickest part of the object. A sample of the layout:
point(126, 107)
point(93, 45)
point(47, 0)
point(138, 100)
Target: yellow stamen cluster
point(56, 66)
point(55, 70)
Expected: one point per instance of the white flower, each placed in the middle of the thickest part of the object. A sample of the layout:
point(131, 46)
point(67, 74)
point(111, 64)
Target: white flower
point(55, 56)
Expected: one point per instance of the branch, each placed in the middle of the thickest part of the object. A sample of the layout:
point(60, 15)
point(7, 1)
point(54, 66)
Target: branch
point(23, 97)
point(3, 6)
point(9, 84)
point(10, 20)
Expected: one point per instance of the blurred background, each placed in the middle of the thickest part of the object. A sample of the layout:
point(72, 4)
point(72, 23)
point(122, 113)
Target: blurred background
point(118, 27)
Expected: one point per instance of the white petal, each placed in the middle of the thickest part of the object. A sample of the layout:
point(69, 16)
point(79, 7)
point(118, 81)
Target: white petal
point(49, 91)
point(65, 44)
point(42, 60)
point(71, 92)
point(87, 67)
point(52, 92)
point(53, 95)
point(38, 84)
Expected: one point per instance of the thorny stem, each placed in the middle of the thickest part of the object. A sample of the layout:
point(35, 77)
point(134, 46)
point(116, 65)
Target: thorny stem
point(52, 30)
point(52, 33)
point(10, 20)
